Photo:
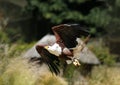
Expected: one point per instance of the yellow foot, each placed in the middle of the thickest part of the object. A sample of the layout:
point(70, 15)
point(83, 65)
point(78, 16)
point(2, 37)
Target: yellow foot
point(76, 62)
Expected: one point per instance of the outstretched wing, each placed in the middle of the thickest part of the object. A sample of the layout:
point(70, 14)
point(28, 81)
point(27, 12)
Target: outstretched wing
point(51, 60)
point(68, 33)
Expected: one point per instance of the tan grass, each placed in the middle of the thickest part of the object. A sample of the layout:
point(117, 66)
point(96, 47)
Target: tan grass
point(20, 72)
point(104, 75)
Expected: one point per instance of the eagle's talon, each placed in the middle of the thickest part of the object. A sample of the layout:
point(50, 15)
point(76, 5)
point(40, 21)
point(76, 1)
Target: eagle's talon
point(76, 62)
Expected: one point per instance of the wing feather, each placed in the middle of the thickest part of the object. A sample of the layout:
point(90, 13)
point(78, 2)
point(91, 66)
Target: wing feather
point(67, 34)
point(51, 60)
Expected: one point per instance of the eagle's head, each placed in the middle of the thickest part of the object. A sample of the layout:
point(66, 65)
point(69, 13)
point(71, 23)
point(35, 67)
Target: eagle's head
point(54, 49)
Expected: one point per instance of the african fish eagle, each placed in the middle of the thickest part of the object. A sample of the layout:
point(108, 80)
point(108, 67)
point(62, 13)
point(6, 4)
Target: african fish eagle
point(67, 44)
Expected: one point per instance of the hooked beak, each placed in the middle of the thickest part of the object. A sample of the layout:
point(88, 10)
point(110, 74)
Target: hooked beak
point(46, 47)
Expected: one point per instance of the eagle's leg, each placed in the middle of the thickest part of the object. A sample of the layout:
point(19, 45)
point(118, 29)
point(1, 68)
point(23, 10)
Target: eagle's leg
point(67, 52)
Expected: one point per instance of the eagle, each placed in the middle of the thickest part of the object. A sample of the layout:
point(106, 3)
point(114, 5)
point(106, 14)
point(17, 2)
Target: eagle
point(65, 48)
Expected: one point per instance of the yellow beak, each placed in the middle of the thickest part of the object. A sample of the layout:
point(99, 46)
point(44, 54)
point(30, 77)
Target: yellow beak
point(46, 47)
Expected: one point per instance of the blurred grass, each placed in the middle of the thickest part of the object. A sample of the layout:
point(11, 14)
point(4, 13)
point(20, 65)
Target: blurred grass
point(20, 72)
point(104, 75)
point(15, 70)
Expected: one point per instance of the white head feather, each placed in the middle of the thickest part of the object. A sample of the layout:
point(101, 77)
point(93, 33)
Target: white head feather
point(54, 49)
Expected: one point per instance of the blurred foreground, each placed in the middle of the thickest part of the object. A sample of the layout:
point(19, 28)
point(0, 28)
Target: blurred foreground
point(16, 70)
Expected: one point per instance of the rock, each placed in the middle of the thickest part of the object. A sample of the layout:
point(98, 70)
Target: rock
point(87, 56)
point(46, 40)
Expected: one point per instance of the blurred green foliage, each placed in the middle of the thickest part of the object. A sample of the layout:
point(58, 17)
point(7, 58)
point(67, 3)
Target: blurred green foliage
point(69, 72)
point(99, 15)
point(58, 11)
point(70, 11)
point(3, 37)
point(104, 55)
point(10, 35)
point(102, 52)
